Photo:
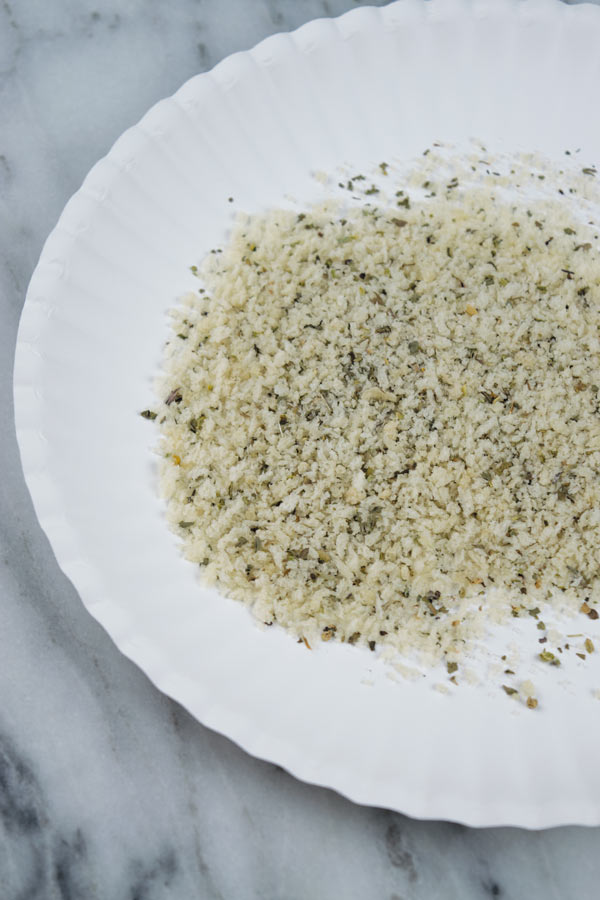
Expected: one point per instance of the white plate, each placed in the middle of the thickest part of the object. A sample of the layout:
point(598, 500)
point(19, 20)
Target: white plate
point(373, 85)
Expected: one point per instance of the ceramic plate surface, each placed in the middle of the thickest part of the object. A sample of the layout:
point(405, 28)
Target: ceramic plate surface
point(376, 84)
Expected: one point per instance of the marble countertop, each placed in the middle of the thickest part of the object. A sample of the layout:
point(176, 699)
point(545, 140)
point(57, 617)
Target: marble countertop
point(107, 788)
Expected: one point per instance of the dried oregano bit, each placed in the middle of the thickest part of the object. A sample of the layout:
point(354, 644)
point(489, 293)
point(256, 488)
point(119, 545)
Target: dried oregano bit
point(451, 667)
point(511, 691)
point(196, 423)
point(589, 646)
point(532, 703)
point(548, 657)
point(185, 524)
point(174, 397)
point(303, 640)
point(148, 414)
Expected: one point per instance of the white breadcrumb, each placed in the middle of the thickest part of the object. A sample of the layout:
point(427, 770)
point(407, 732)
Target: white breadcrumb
point(527, 688)
point(441, 688)
point(372, 417)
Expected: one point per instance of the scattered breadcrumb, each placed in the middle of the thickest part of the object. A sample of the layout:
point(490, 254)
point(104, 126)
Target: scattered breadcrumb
point(381, 425)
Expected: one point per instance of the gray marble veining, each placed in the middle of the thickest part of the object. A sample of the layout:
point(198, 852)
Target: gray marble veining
point(108, 789)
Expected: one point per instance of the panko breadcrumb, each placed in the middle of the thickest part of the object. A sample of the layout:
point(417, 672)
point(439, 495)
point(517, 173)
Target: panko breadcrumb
point(377, 421)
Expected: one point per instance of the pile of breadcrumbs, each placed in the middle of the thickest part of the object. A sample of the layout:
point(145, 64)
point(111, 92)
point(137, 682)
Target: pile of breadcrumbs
point(374, 422)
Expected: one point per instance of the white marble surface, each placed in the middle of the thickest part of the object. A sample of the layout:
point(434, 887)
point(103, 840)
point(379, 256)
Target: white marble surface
point(107, 788)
